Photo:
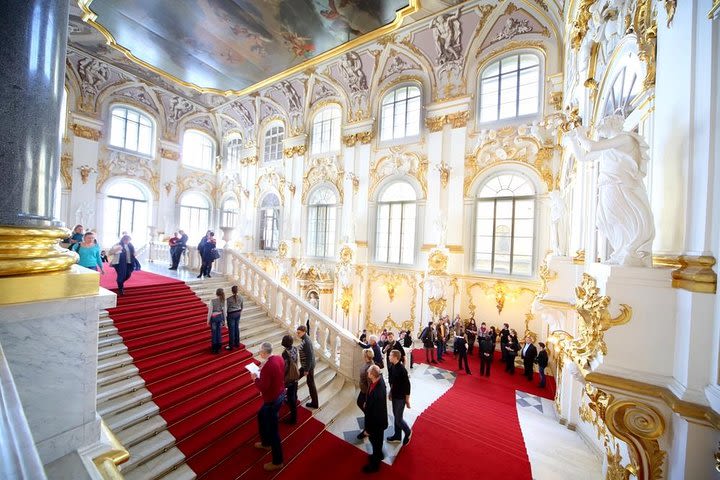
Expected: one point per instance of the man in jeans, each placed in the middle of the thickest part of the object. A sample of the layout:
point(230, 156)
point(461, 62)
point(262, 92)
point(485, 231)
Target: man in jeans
point(307, 364)
point(271, 383)
point(400, 396)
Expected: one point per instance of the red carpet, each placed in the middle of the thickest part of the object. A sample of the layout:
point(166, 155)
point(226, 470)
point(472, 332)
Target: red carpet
point(139, 278)
point(208, 401)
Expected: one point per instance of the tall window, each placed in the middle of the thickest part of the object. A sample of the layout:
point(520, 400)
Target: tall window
point(625, 88)
point(229, 213)
point(505, 225)
point(397, 212)
point(131, 130)
point(194, 215)
point(125, 210)
point(274, 137)
point(322, 208)
point(400, 116)
point(269, 222)
point(326, 130)
point(233, 150)
point(510, 88)
point(198, 150)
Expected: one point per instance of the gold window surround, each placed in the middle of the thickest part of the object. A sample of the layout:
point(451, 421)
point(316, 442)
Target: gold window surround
point(90, 18)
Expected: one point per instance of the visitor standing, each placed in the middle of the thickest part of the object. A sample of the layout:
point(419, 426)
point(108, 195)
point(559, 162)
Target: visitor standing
point(123, 261)
point(542, 361)
point(399, 397)
point(216, 319)
point(364, 383)
point(307, 364)
point(376, 419)
point(180, 246)
point(487, 348)
point(234, 310)
point(528, 353)
point(208, 253)
point(460, 348)
point(428, 338)
point(292, 375)
point(271, 383)
point(89, 253)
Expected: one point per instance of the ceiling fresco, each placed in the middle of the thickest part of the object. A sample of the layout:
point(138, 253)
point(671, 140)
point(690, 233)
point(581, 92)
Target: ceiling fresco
point(224, 45)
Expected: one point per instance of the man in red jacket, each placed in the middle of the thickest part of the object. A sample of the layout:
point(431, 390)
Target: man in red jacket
point(271, 383)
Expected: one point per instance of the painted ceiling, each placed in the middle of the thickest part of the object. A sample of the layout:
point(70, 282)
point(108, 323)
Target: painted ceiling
point(234, 44)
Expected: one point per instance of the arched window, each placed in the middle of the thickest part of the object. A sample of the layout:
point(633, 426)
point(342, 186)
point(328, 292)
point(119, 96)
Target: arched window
point(400, 113)
point(322, 207)
point(510, 88)
point(273, 146)
point(131, 130)
point(505, 225)
point(396, 224)
point(326, 130)
point(198, 150)
point(624, 90)
point(194, 215)
point(233, 149)
point(125, 210)
point(269, 222)
point(229, 213)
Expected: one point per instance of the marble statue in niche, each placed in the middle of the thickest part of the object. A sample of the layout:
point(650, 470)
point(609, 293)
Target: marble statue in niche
point(624, 216)
point(557, 217)
point(351, 68)
point(447, 32)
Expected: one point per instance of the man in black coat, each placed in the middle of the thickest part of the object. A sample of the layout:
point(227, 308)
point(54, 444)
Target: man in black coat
point(179, 248)
point(376, 418)
point(504, 334)
point(542, 361)
point(529, 352)
point(487, 350)
point(377, 352)
point(391, 345)
point(399, 396)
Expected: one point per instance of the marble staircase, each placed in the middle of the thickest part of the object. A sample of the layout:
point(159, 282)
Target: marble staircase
point(128, 410)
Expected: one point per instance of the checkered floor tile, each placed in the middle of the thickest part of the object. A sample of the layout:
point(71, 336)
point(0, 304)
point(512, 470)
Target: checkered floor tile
point(441, 374)
point(527, 400)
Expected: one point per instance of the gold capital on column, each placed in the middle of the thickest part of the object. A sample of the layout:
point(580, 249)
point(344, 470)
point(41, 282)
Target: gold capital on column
point(695, 274)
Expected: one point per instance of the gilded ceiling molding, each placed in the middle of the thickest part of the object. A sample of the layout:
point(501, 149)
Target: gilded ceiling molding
point(360, 137)
point(321, 170)
point(695, 274)
point(580, 24)
point(87, 133)
point(595, 320)
point(298, 150)
point(270, 179)
point(66, 163)
point(249, 160)
point(90, 18)
point(169, 154)
point(435, 124)
point(399, 162)
point(458, 119)
point(390, 281)
point(194, 181)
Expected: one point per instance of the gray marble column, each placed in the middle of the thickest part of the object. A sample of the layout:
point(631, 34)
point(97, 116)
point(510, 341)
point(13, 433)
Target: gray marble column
point(33, 35)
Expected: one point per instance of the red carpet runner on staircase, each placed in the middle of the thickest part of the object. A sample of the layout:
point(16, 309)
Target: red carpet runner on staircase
point(208, 401)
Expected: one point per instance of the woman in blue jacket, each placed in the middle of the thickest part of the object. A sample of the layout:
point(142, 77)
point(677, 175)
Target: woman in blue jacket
point(89, 252)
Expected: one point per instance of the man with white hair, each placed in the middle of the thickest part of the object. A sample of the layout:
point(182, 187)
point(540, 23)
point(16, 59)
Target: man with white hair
point(271, 383)
point(377, 352)
point(376, 419)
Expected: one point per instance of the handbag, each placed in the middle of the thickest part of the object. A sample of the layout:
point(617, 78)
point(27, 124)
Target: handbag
point(293, 372)
point(214, 254)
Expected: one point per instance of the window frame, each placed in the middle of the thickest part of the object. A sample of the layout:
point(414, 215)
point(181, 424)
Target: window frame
point(273, 136)
point(334, 144)
point(540, 90)
point(394, 103)
point(402, 203)
point(328, 247)
point(141, 115)
point(213, 152)
point(233, 144)
point(225, 213)
point(192, 208)
point(262, 225)
point(494, 200)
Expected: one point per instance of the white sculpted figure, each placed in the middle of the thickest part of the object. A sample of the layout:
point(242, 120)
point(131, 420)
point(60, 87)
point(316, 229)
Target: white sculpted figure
point(447, 32)
point(623, 211)
point(352, 69)
point(557, 214)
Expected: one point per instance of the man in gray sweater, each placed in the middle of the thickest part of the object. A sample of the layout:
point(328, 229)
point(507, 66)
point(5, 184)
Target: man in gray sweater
point(307, 364)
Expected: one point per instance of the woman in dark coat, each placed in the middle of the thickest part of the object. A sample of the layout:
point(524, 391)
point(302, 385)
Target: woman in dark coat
point(511, 349)
point(207, 250)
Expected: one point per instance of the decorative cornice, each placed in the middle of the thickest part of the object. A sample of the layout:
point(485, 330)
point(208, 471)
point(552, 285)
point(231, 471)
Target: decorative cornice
point(298, 150)
point(695, 274)
point(435, 124)
point(169, 154)
point(458, 119)
point(251, 160)
point(83, 131)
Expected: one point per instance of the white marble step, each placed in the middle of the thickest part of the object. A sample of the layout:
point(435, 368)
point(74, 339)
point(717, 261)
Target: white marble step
point(108, 340)
point(124, 402)
point(105, 320)
point(147, 449)
point(260, 330)
point(113, 375)
point(161, 464)
point(111, 351)
point(137, 433)
point(128, 418)
point(111, 362)
point(115, 389)
point(253, 343)
point(183, 472)
point(107, 331)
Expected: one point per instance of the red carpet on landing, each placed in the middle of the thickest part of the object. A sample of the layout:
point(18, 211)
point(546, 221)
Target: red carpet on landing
point(210, 404)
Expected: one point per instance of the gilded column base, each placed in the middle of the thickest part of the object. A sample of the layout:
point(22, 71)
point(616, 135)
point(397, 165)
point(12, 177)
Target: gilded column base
point(73, 282)
point(25, 250)
point(695, 274)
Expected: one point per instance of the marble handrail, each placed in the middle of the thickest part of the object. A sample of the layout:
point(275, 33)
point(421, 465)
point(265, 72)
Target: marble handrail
point(332, 342)
point(18, 455)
